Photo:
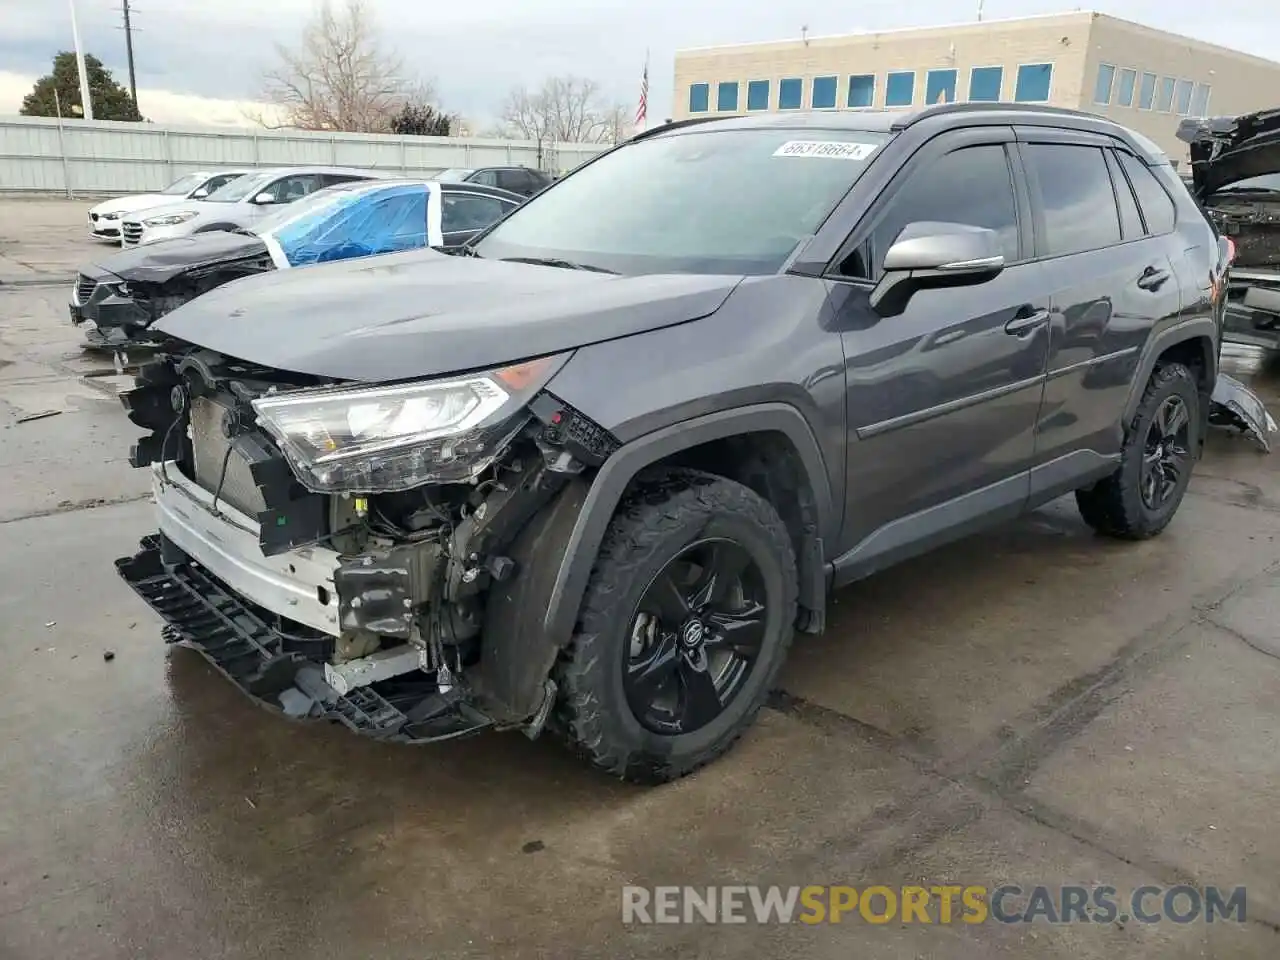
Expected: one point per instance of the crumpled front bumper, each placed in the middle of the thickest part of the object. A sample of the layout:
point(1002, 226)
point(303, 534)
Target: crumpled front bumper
point(114, 320)
point(279, 669)
point(260, 623)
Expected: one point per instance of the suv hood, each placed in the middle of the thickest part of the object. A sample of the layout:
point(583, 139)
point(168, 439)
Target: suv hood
point(1225, 150)
point(166, 259)
point(423, 313)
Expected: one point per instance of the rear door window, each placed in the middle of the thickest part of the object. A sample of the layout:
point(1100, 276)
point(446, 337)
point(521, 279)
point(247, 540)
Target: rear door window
point(1157, 205)
point(1077, 202)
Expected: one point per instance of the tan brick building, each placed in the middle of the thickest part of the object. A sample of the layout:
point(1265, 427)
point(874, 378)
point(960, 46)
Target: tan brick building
point(1143, 78)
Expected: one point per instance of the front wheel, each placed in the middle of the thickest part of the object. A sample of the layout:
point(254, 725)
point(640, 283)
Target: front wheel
point(1141, 497)
point(684, 626)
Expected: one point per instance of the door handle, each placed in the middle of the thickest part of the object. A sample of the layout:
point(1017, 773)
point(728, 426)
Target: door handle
point(1026, 321)
point(1153, 278)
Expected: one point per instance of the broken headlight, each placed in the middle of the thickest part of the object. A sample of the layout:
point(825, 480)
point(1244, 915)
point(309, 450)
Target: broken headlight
point(387, 439)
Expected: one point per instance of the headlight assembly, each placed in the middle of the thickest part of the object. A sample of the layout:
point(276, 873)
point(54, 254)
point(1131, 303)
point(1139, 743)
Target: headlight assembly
point(169, 219)
point(110, 216)
point(387, 439)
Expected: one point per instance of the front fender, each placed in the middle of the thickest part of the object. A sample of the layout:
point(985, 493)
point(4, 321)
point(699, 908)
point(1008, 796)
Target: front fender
point(558, 551)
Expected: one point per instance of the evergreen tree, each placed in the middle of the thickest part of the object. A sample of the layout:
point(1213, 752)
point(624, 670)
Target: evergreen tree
point(110, 100)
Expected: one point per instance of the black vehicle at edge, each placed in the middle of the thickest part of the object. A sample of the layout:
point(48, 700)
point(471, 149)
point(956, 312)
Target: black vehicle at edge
point(593, 476)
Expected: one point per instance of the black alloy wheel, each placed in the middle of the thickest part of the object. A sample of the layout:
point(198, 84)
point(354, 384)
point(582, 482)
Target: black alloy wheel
point(695, 637)
point(684, 625)
point(1167, 453)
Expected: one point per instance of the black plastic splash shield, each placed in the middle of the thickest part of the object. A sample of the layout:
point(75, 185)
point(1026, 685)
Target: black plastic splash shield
point(283, 671)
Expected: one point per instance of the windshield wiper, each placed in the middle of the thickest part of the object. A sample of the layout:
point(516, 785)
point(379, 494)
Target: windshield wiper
point(559, 262)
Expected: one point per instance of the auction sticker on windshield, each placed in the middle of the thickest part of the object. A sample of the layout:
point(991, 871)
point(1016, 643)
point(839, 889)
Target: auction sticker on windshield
point(828, 149)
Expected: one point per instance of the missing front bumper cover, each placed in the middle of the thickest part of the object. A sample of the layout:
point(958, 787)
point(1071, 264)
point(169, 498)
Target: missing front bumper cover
point(281, 669)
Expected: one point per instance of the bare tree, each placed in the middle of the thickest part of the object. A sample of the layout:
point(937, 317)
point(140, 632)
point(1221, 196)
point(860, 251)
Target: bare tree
point(340, 76)
point(564, 109)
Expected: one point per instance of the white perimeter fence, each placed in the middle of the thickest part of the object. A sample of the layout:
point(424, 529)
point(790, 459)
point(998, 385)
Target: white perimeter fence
point(44, 155)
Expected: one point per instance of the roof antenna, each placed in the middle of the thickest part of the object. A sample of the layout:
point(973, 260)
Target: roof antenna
point(979, 11)
point(804, 34)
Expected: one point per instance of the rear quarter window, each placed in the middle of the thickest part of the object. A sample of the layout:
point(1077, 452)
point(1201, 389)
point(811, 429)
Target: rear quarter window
point(1156, 204)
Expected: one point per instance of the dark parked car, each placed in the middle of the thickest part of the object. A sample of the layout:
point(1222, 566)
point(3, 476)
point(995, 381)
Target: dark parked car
point(1235, 163)
point(522, 180)
point(123, 294)
point(595, 473)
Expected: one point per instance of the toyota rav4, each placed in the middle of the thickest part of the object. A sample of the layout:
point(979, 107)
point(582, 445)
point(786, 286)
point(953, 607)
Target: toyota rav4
point(592, 473)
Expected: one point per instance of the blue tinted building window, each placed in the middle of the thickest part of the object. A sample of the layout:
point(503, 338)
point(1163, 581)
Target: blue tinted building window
point(1183, 101)
point(1147, 92)
point(900, 89)
point(824, 92)
point(985, 83)
point(727, 96)
point(1128, 80)
point(1034, 80)
point(699, 97)
point(1200, 100)
point(790, 93)
point(758, 95)
point(1164, 102)
point(862, 90)
point(940, 86)
point(1102, 87)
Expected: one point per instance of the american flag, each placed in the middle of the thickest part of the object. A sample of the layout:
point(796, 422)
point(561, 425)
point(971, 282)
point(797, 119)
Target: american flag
point(642, 109)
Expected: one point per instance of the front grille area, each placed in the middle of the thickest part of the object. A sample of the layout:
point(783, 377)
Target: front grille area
point(210, 446)
point(84, 288)
point(132, 231)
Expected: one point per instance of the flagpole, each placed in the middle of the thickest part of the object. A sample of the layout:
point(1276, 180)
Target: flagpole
point(642, 112)
point(85, 100)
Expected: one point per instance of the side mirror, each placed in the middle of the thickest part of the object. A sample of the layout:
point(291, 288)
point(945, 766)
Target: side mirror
point(200, 194)
point(265, 198)
point(929, 255)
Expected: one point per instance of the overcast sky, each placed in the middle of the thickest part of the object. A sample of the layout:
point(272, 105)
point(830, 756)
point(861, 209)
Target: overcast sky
point(476, 52)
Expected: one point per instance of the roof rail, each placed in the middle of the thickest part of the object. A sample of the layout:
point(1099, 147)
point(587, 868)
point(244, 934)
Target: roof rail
point(939, 109)
point(675, 125)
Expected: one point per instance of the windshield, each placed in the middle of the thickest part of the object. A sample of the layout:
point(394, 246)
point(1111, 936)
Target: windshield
point(240, 188)
point(341, 224)
point(453, 175)
point(700, 201)
point(182, 186)
point(318, 201)
point(1266, 183)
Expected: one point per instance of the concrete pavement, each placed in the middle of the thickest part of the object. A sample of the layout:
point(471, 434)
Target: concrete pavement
point(1033, 706)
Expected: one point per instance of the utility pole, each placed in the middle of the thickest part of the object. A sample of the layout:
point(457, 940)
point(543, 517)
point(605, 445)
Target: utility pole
point(86, 100)
point(128, 46)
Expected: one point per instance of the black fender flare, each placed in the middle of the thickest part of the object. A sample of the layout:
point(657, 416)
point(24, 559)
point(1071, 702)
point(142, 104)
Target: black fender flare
point(558, 550)
point(1204, 329)
point(621, 468)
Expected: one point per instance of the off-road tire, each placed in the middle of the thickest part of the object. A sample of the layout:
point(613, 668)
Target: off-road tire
point(662, 515)
point(1114, 506)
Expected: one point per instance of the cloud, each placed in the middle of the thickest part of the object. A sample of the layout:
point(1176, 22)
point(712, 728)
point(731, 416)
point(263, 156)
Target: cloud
point(158, 105)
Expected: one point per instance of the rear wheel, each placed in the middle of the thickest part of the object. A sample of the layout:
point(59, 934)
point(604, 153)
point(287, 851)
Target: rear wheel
point(1140, 498)
point(685, 624)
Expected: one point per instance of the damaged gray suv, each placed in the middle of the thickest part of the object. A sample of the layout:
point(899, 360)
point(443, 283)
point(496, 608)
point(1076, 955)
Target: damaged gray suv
point(592, 473)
